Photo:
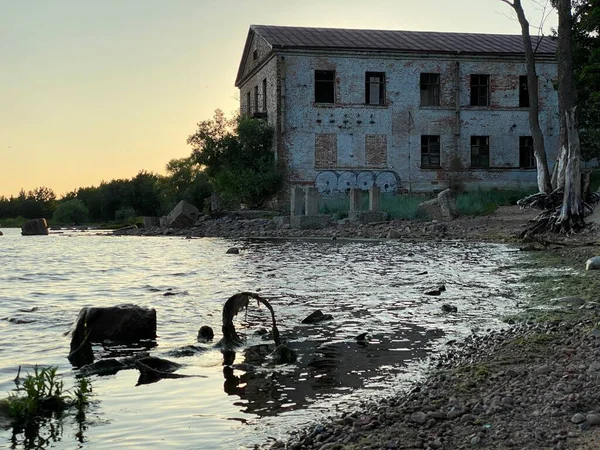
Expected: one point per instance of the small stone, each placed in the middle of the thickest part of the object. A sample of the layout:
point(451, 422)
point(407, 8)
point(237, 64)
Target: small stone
point(449, 308)
point(593, 419)
point(233, 251)
point(418, 417)
point(475, 440)
point(578, 418)
point(593, 263)
point(436, 444)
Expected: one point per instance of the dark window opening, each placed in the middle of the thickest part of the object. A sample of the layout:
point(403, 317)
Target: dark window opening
point(324, 86)
point(264, 93)
point(523, 92)
point(375, 88)
point(255, 98)
point(255, 55)
point(480, 151)
point(430, 89)
point(526, 153)
point(248, 104)
point(430, 151)
point(480, 90)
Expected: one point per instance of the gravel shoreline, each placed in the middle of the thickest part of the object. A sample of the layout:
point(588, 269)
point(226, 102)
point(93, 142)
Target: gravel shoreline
point(531, 386)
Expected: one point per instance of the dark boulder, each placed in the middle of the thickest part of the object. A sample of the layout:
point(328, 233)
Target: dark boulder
point(317, 317)
point(205, 333)
point(34, 227)
point(233, 251)
point(121, 323)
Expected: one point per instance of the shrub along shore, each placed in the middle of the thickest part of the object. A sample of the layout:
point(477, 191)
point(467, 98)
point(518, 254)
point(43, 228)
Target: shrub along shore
point(535, 385)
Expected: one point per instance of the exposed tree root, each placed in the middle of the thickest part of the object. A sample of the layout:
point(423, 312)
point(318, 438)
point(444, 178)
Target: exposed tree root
point(550, 220)
point(233, 306)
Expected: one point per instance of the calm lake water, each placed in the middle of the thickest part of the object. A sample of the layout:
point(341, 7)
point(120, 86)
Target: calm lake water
point(374, 287)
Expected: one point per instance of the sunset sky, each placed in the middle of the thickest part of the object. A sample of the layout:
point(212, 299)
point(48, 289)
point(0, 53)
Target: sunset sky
point(98, 90)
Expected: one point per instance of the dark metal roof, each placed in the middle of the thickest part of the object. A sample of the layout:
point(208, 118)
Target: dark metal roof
point(403, 41)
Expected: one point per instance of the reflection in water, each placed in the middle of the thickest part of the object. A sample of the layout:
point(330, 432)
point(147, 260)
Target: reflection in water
point(323, 367)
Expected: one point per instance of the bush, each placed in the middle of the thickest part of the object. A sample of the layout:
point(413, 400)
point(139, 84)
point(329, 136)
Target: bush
point(125, 213)
point(70, 212)
point(481, 202)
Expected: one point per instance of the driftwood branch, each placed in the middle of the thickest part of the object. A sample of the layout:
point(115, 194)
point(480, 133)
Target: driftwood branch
point(233, 306)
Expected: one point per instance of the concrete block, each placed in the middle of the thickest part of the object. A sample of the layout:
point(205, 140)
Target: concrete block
point(297, 201)
point(311, 204)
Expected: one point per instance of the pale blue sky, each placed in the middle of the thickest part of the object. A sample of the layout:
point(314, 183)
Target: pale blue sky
point(97, 90)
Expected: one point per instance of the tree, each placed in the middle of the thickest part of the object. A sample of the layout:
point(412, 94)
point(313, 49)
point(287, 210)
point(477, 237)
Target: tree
point(571, 212)
point(71, 212)
point(237, 157)
point(543, 174)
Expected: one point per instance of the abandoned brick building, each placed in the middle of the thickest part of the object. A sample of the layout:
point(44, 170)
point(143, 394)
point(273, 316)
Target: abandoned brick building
point(402, 110)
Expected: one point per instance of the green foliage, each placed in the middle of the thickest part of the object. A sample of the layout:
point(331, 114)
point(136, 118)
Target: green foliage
point(70, 212)
point(482, 202)
point(238, 158)
point(397, 206)
point(186, 181)
point(595, 180)
point(38, 203)
point(16, 222)
point(586, 59)
point(124, 213)
point(42, 394)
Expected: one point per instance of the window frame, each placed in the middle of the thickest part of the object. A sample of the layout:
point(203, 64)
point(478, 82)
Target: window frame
point(476, 159)
point(429, 91)
point(379, 85)
point(428, 145)
point(264, 93)
point(526, 145)
point(323, 85)
point(248, 103)
point(480, 90)
point(256, 98)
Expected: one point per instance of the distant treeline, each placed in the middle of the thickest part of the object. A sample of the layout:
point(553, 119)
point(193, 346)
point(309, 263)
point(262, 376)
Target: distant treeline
point(146, 194)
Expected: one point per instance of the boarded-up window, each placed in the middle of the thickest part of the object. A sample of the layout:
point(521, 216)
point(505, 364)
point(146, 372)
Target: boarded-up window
point(376, 149)
point(325, 151)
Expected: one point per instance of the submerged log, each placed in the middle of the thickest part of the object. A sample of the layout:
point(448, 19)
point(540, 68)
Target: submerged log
point(233, 306)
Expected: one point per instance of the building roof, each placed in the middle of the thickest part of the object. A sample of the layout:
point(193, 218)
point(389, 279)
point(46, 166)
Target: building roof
point(404, 41)
point(336, 39)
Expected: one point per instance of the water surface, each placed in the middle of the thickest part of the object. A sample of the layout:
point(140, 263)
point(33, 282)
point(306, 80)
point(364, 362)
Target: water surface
point(367, 286)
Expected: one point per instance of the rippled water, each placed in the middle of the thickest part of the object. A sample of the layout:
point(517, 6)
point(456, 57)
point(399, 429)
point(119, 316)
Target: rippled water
point(368, 286)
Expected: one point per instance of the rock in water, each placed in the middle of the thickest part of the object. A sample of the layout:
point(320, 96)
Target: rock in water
point(205, 332)
point(593, 263)
point(34, 227)
point(233, 251)
point(317, 316)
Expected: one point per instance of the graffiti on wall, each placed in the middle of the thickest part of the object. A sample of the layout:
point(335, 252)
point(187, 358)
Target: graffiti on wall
point(332, 182)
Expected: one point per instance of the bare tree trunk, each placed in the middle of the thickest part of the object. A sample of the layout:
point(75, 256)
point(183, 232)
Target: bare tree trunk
point(543, 174)
point(571, 214)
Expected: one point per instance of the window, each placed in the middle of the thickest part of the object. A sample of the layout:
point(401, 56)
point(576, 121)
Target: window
point(255, 99)
point(376, 150)
point(375, 88)
point(526, 154)
point(324, 86)
point(430, 151)
point(248, 104)
point(255, 55)
point(264, 98)
point(430, 89)
point(325, 151)
point(480, 151)
point(523, 92)
point(480, 90)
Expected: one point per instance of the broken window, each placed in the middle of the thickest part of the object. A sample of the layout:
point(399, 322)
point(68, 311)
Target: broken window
point(430, 151)
point(375, 88)
point(526, 153)
point(254, 54)
point(264, 97)
point(480, 90)
point(376, 150)
point(480, 151)
point(324, 86)
point(325, 151)
point(523, 92)
point(248, 104)
point(430, 89)
point(255, 99)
